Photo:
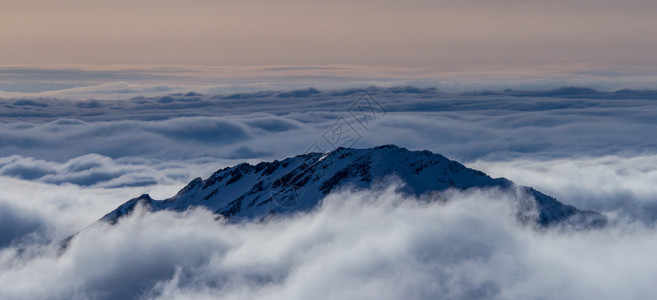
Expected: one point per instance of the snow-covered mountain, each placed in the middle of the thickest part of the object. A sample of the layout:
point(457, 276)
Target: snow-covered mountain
point(253, 192)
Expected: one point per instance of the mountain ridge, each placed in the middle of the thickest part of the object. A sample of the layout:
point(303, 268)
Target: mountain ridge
point(298, 184)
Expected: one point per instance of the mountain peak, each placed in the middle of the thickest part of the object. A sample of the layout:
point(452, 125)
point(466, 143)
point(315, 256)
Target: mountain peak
point(248, 192)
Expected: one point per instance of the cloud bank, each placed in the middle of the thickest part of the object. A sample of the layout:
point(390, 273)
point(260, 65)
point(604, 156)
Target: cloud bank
point(357, 245)
point(94, 170)
point(273, 124)
point(36, 212)
point(622, 186)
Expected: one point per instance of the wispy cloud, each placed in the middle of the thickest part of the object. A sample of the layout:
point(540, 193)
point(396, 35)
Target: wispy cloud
point(124, 81)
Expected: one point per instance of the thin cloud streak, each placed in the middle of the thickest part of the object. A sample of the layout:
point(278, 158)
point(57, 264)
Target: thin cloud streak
point(84, 82)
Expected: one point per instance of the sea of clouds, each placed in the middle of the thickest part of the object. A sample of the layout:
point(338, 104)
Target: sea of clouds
point(357, 245)
point(65, 163)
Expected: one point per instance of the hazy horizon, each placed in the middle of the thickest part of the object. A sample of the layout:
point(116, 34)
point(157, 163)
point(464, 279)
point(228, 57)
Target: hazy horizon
point(236, 45)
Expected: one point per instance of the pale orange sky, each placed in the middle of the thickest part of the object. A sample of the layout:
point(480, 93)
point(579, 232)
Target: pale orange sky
point(445, 35)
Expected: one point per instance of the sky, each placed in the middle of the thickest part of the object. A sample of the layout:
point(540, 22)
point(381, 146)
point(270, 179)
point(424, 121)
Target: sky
point(442, 34)
point(103, 101)
point(235, 44)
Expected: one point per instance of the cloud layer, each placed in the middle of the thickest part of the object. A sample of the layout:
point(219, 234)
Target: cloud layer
point(36, 212)
point(65, 163)
point(358, 245)
point(273, 124)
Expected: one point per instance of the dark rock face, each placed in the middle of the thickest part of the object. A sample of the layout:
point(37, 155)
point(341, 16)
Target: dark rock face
point(248, 192)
